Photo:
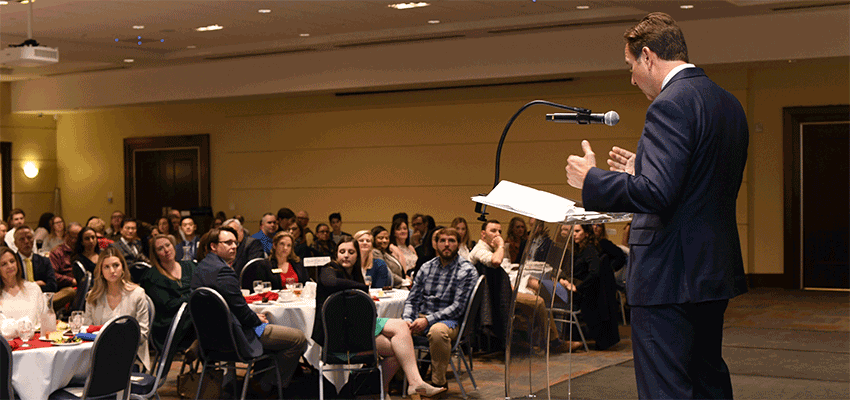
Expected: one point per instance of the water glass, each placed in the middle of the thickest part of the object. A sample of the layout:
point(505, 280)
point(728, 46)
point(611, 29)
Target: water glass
point(26, 330)
point(258, 286)
point(297, 288)
point(267, 287)
point(75, 322)
point(368, 280)
point(290, 283)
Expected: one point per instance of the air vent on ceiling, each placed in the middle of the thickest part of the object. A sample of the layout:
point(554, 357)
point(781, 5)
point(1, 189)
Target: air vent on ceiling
point(396, 41)
point(563, 26)
point(259, 54)
point(809, 6)
point(85, 71)
point(447, 87)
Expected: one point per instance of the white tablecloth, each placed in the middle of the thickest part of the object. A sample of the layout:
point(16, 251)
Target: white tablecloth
point(38, 372)
point(300, 315)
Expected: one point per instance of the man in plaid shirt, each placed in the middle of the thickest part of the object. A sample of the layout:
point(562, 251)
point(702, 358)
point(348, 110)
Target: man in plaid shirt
point(438, 298)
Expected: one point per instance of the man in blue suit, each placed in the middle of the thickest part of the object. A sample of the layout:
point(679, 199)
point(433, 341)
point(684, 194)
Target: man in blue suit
point(682, 185)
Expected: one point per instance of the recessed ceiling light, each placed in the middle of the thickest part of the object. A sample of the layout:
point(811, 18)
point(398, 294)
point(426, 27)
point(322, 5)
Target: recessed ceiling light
point(582, 7)
point(264, 11)
point(138, 27)
point(3, 3)
point(686, 6)
point(128, 60)
point(434, 21)
point(209, 28)
point(25, 1)
point(191, 47)
point(304, 35)
point(404, 6)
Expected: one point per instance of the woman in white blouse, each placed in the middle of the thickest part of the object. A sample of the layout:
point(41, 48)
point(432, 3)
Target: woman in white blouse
point(18, 298)
point(112, 295)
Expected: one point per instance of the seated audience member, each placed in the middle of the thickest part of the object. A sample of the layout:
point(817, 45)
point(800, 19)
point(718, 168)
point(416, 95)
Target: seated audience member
point(100, 231)
point(18, 298)
point(426, 251)
point(337, 235)
point(285, 219)
point(17, 218)
point(466, 244)
point(370, 266)
point(323, 246)
point(307, 236)
point(87, 250)
point(616, 256)
point(190, 243)
point(490, 253)
point(268, 227)
point(381, 239)
point(163, 227)
point(55, 236)
point(129, 246)
point(36, 268)
point(400, 246)
point(300, 248)
point(215, 272)
point(4, 228)
point(418, 229)
point(392, 336)
point(113, 232)
point(112, 295)
point(42, 229)
point(60, 259)
point(593, 285)
point(167, 284)
point(174, 222)
point(517, 238)
point(437, 301)
point(247, 249)
point(282, 266)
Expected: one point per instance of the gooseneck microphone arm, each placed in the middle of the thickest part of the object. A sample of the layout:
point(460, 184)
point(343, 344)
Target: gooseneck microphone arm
point(481, 208)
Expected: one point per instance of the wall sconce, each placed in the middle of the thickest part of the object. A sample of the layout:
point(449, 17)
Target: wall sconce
point(30, 170)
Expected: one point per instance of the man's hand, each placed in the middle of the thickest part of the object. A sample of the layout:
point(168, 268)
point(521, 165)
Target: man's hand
point(565, 283)
point(621, 160)
point(497, 242)
point(577, 167)
point(263, 318)
point(419, 325)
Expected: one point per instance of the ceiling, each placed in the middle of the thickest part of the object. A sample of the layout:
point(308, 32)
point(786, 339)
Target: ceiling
point(98, 35)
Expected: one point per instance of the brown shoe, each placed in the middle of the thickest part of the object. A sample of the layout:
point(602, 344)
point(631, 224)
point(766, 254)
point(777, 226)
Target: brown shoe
point(563, 346)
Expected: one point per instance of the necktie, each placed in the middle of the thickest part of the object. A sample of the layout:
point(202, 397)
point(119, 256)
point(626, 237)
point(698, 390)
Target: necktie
point(28, 263)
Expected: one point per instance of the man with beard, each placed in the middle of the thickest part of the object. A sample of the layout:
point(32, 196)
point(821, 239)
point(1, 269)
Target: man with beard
point(446, 282)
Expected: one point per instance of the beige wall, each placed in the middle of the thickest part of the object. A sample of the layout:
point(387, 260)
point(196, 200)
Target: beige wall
point(371, 156)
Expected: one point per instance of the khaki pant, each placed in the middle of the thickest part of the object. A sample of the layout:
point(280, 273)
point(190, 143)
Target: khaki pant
point(440, 338)
point(288, 345)
point(533, 307)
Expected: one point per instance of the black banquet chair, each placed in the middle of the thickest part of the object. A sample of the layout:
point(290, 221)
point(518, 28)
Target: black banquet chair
point(6, 391)
point(215, 329)
point(112, 358)
point(249, 274)
point(145, 386)
point(349, 320)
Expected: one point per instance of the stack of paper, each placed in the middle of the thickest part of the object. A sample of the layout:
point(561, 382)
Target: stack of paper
point(535, 203)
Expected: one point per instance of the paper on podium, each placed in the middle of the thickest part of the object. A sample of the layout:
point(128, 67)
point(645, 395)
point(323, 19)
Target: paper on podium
point(535, 203)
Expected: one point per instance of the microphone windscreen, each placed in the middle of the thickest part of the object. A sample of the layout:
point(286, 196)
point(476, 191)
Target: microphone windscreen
point(611, 118)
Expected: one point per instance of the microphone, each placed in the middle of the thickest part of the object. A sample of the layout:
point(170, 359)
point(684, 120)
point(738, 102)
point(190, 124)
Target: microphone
point(610, 118)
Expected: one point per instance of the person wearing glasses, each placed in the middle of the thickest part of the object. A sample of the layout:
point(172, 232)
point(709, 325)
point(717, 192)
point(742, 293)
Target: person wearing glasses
point(323, 246)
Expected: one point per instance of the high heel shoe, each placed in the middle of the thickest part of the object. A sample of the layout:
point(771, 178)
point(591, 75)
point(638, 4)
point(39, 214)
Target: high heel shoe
point(425, 389)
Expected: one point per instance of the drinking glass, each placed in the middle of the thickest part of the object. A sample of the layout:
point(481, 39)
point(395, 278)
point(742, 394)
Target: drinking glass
point(75, 322)
point(258, 287)
point(267, 287)
point(26, 330)
point(368, 280)
point(296, 289)
point(290, 283)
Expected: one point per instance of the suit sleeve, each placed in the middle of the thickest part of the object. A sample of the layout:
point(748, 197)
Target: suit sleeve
point(664, 154)
point(46, 274)
point(228, 284)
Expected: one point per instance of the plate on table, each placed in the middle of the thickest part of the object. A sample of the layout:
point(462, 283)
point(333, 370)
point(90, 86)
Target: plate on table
point(67, 344)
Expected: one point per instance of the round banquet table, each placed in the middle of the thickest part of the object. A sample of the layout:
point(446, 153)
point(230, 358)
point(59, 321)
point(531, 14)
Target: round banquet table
point(38, 372)
point(300, 314)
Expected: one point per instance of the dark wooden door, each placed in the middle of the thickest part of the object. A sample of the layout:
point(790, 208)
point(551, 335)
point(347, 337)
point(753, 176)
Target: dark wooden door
point(825, 218)
point(165, 179)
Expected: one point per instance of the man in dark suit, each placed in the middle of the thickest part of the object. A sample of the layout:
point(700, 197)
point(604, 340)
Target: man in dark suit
point(131, 247)
point(35, 267)
point(247, 248)
point(254, 334)
point(682, 185)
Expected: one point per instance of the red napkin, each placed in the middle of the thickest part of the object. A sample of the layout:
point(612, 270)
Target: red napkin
point(272, 296)
point(93, 328)
point(34, 343)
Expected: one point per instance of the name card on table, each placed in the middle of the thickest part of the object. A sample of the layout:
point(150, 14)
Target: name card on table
point(316, 261)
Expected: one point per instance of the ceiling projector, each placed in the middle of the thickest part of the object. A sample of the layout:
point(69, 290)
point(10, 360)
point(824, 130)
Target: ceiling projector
point(29, 56)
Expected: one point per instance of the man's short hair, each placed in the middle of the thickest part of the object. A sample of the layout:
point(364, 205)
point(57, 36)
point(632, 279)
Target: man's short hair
point(22, 228)
point(215, 233)
point(401, 215)
point(14, 212)
point(659, 32)
point(189, 218)
point(448, 231)
point(488, 222)
point(230, 221)
point(266, 215)
point(334, 216)
point(128, 219)
point(285, 213)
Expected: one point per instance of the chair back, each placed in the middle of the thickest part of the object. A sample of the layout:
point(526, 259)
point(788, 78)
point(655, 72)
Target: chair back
point(469, 322)
point(83, 286)
point(249, 274)
point(6, 391)
point(137, 269)
point(78, 270)
point(112, 357)
point(349, 320)
point(214, 325)
point(169, 349)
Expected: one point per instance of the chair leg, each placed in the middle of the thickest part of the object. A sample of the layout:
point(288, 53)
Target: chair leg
point(321, 383)
point(574, 320)
point(201, 379)
point(245, 382)
point(468, 367)
point(381, 374)
point(457, 377)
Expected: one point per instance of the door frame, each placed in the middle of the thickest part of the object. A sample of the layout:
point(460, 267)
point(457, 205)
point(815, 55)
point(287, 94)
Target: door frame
point(200, 142)
point(6, 177)
point(793, 118)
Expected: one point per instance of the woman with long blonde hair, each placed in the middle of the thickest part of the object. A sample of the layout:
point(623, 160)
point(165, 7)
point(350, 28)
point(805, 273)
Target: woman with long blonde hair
point(113, 294)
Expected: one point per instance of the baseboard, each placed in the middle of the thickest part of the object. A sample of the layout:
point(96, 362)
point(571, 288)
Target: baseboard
point(768, 280)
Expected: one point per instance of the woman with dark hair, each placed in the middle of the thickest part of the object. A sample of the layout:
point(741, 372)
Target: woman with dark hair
point(282, 265)
point(300, 248)
point(593, 285)
point(517, 238)
point(616, 256)
point(323, 245)
point(43, 229)
point(466, 243)
point(427, 250)
point(381, 251)
point(392, 336)
point(87, 250)
point(167, 284)
point(55, 236)
point(18, 298)
point(400, 246)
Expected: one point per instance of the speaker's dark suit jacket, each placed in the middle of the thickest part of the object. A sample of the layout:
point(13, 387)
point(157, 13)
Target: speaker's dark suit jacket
point(214, 273)
point(42, 270)
point(690, 161)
